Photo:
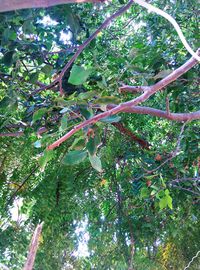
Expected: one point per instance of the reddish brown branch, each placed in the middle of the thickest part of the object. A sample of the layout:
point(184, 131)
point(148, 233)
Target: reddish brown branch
point(123, 107)
point(179, 117)
point(22, 4)
point(144, 144)
point(164, 82)
point(33, 248)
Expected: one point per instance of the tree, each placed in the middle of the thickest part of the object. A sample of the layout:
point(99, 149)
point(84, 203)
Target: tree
point(80, 153)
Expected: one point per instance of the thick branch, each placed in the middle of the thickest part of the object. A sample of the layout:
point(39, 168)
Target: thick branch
point(180, 117)
point(22, 4)
point(127, 105)
point(33, 248)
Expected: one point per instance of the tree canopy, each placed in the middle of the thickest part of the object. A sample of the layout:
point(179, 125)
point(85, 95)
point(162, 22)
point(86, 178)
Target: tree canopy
point(114, 182)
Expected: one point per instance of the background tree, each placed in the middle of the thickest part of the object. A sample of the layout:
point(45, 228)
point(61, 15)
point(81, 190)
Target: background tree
point(120, 188)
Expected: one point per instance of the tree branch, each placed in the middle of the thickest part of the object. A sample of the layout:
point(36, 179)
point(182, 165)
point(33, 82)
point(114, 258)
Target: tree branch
point(33, 248)
point(149, 91)
point(179, 117)
point(190, 179)
point(22, 4)
point(164, 82)
point(21, 185)
point(83, 46)
point(185, 189)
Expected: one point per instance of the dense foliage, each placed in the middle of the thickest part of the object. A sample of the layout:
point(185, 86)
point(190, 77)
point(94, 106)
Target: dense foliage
point(122, 193)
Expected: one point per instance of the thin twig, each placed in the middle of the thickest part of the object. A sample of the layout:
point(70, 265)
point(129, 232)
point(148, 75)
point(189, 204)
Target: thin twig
point(197, 254)
point(186, 189)
point(193, 179)
point(167, 106)
point(22, 184)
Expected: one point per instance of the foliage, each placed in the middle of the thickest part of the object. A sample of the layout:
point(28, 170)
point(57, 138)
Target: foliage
point(99, 190)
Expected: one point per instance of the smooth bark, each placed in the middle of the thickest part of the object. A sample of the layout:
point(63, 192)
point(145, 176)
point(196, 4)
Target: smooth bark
point(8, 5)
point(33, 248)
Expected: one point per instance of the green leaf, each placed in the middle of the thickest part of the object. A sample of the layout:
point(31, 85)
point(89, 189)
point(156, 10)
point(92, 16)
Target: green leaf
point(8, 58)
point(78, 75)
point(87, 95)
point(64, 122)
point(162, 181)
point(28, 27)
point(38, 114)
point(34, 77)
point(162, 74)
point(78, 143)
point(5, 102)
point(153, 192)
point(87, 113)
point(169, 199)
point(93, 143)
point(163, 202)
point(111, 119)
point(167, 192)
point(91, 146)
point(8, 34)
point(74, 157)
point(169, 202)
point(144, 193)
point(47, 156)
point(47, 69)
point(107, 100)
point(96, 163)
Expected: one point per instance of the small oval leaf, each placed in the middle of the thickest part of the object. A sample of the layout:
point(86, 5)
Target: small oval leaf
point(96, 163)
point(74, 157)
point(78, 75)
point(38, 114)
point(107, 100)
point(111, 119)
